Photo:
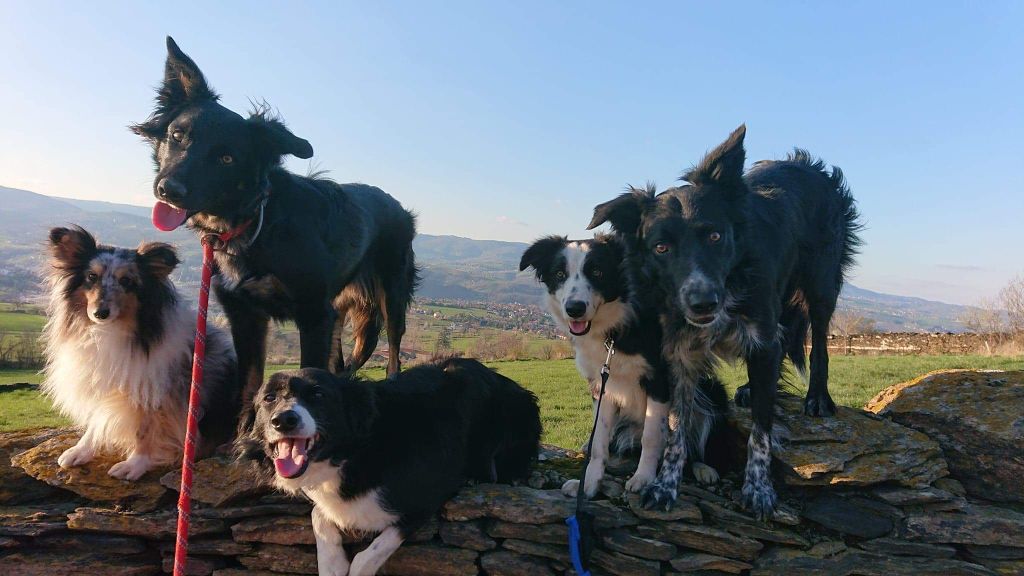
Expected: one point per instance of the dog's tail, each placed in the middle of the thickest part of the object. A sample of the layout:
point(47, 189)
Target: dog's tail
point(707, 433)
point(504, 436)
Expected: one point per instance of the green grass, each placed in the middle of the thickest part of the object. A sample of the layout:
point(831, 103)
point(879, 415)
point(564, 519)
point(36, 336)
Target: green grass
point(21, 322)
point(565, 404)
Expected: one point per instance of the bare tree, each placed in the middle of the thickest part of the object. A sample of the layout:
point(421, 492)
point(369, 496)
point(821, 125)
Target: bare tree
point(1011, 300)
point(850, 323)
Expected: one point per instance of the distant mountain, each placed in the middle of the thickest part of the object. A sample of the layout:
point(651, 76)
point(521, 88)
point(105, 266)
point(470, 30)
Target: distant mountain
point(453, 267)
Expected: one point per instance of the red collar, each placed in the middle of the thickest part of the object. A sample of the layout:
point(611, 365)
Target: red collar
point(235, 232)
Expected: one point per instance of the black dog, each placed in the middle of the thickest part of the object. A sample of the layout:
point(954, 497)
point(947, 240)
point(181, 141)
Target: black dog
point(383, 457)
point(588, 296)
point(306, 249)
point(726, 259)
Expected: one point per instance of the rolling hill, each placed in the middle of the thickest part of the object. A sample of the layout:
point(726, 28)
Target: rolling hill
point(453, 267)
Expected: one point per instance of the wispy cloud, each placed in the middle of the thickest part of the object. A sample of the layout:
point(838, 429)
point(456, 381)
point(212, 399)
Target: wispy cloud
point(509, 220)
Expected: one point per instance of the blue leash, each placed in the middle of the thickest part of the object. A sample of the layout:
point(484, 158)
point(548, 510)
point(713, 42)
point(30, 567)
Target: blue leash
point(581, 524)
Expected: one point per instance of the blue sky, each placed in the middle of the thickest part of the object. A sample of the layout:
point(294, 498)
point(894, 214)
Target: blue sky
point(512, 120)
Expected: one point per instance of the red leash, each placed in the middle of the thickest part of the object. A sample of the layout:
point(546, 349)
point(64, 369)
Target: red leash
point(192, 422)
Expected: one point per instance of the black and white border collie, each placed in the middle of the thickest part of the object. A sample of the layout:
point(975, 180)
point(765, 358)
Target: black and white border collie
point(384, 456)
point(119, 355)
point(737, 266)
point(588, 296)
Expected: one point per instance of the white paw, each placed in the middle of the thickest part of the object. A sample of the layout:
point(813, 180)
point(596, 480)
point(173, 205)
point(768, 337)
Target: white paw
point(592, 483)
point(75, 456)
point(640, 480)
point(570, 488)
point(131, 469)
point(704, 474)
point(334, 569)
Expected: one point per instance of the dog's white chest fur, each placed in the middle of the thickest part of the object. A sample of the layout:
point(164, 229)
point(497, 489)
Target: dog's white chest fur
point(321, 484)
point(625, 373)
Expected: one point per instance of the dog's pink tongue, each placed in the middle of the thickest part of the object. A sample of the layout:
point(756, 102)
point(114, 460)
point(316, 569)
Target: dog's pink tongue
point(577, 327)
point(290, 456)
point(167, 217)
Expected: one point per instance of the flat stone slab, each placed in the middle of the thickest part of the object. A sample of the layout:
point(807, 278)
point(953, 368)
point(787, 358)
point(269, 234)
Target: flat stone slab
point(76, 564)
point(695, 562)
point(787, 562)
point(218, 481)
point(978, 525)
point(277, 558)
point(855, 448)
point(430, 560)
point(284, 530)
point(91, 480)
point(34, 520)
point(506, 563)
point(17, 487)
point(976, 416)
point(524, 505)
point(152, 526)
point(703, 538)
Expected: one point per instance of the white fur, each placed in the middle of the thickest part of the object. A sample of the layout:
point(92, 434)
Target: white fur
point(367, 562)
point(331, 559)
point(126, 400)
point(321, 483)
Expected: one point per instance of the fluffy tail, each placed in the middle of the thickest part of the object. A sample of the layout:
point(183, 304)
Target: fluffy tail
point(707, 433)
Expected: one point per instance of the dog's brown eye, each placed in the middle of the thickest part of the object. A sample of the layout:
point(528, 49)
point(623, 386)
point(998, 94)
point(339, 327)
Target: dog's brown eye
point(714, 237)
point(226, 159)
point(177, 135)
point(596, 273)
point(661, 248)
point(91, 277)
point(270, 397)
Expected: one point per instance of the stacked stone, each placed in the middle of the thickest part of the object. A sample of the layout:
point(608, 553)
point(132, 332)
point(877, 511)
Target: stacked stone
point(862, 494)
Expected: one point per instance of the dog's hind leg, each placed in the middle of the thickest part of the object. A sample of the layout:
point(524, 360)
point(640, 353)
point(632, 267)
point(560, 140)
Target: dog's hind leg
point(818, 401)
point(397, 295)
point(337, 359)
point(366, 324)
point(331, 559)
point(249, 334)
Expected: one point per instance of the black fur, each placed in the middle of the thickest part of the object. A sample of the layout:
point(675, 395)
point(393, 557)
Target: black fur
point(729, 257)
point(324, 250)
point(416, 437)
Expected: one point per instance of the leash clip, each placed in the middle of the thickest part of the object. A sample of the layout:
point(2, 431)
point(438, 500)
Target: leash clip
point(609, 345)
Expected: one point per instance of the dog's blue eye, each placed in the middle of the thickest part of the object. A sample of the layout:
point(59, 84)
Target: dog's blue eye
point(714, 237)
point(560, 275)
point(178, 135)
point(226, 159)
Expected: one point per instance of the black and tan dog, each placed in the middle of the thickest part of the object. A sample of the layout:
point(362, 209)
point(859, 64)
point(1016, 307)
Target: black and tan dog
point(727, 259)
point(304, 248)
point(383, 457)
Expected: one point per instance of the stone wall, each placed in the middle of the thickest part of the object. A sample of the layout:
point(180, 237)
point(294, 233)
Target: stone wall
point(917, 344)
point(862, 494)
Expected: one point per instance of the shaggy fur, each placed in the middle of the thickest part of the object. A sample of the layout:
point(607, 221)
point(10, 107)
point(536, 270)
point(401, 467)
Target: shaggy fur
point(383, 457)
point(588, 297)
point(727, 259)
point(119, 355)
point(315, 252)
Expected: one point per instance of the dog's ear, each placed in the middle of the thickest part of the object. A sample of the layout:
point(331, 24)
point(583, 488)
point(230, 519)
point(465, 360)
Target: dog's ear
point(625, 212)
point(71, 246)
point(723, 165)
point(247, 446)
point(183, 83)
point(540, 253)
point(157, 259)
point(275, 140)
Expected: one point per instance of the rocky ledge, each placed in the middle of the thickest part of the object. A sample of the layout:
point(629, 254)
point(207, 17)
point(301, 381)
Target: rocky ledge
point(906, 488)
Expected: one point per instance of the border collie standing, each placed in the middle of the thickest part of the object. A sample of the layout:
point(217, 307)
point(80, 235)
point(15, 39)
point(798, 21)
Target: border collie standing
point(588, 296)
point(302, 248)
point(383, 457)
point(119, 355)
point(725, 260)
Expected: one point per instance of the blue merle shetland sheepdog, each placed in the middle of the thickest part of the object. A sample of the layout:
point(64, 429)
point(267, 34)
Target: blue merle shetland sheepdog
point(589, 297)
point(119, 345)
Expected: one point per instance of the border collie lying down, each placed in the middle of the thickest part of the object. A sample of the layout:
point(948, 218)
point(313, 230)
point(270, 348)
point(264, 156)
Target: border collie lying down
point(119, 355)
point(383, 457)
point(588, 296)
point(726, 259)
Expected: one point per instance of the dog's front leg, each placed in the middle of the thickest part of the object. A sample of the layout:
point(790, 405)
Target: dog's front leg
point(662, 493)
point(652, 444)
point(369, 561)
point(598, 453)
point(316, 331)
point(249, 335)
point(331, 559)
point(81, 453)
point(763, 374)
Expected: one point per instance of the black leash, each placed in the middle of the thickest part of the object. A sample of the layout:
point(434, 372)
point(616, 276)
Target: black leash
point(582, 536)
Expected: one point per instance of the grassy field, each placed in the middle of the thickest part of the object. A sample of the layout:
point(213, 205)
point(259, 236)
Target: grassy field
point(565, 406)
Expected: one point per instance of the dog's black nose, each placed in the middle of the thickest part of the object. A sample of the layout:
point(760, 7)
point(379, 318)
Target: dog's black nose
point(575, 308)
point(285, 421)
point(102, 313)
point(703, 303)
point(171, 190)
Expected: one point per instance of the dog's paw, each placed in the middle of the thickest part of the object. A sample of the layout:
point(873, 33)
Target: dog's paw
point(131, 469)
point(640, 480)
point(75, 456)
point(570, 488)
point(657, 497)
point(704, 474)
point(759, 499)
point(742, 397)
point(592, 482)
point(819, 405)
